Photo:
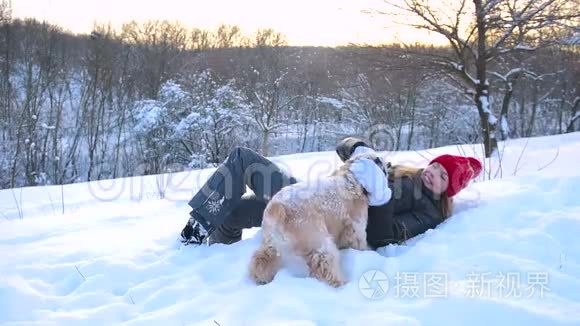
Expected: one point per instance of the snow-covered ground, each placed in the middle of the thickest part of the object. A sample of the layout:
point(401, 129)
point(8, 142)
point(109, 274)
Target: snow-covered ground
point(509, 255)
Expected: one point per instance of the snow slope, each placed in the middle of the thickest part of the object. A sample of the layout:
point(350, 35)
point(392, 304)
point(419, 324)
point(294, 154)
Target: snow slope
point(510, 254)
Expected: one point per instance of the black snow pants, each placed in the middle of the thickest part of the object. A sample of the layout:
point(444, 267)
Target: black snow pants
point(223, 207)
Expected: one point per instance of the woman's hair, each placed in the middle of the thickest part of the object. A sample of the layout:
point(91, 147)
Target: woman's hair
point(399, 171)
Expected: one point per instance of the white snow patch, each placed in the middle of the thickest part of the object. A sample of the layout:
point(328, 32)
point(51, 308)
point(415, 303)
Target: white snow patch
point(485, 107)
point(504, 125)
point(331, 101)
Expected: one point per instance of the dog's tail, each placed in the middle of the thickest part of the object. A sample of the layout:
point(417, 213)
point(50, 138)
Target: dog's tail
point(266, 260)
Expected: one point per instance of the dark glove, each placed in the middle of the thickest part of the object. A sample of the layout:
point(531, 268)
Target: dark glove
point(346, 147)
point(381, 226)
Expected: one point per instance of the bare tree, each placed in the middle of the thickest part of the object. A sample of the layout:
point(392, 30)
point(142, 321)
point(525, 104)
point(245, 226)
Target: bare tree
point(200, 39)
point(480, 31)
point(6, 68)
point(267, 84)
point(228, 36)
point(157, 49)
point(575, 114)
point(508, 81)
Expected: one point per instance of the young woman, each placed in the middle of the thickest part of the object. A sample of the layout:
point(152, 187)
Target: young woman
point(420, 198)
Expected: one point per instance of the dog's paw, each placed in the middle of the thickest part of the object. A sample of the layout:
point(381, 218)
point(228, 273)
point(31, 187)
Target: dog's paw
point(336, 283)
point(264, 265)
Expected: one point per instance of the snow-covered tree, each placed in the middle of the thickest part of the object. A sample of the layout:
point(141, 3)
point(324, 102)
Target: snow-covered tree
point(217, 116)
point(194, 122)
point(481, 31)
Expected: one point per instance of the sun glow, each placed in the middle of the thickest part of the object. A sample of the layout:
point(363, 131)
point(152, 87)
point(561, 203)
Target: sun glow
point(303, 22)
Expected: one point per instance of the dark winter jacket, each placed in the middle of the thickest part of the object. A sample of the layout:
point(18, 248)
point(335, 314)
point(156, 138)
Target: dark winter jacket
point(412, 210)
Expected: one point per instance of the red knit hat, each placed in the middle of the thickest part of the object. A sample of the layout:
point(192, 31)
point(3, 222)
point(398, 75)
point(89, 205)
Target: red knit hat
point(461, 170)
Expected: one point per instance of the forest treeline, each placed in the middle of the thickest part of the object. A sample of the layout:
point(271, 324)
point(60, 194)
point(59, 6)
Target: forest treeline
point(156, 96)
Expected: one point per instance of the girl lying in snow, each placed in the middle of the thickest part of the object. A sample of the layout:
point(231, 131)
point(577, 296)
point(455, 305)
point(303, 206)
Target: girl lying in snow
point(418, 200)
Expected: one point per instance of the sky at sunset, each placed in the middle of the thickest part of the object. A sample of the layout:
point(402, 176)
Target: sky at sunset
point(303, 22)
